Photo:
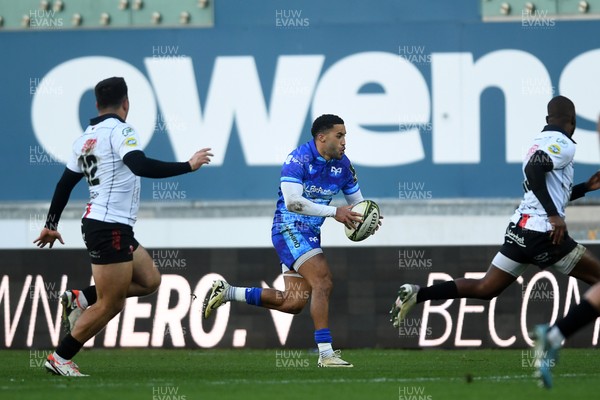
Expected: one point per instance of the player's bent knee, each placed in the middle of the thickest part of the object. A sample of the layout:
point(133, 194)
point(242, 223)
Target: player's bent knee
point(150, 283)
point(111, 307)
point(154, 283)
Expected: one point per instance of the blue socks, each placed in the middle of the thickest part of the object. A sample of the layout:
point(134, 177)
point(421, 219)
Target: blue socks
point(323, 336)
point(253, 296)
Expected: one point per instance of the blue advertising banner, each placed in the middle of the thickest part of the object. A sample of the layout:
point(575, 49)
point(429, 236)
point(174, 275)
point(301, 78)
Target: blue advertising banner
point(448, 106)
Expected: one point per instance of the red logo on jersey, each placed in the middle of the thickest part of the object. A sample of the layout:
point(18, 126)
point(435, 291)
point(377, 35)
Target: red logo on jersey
point(88, 146)
point(532, 150)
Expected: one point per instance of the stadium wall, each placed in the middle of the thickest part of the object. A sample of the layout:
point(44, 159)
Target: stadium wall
point(365, 285)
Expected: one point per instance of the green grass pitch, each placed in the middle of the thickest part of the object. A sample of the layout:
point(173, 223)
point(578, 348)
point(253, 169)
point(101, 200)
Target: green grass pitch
point(292, 374)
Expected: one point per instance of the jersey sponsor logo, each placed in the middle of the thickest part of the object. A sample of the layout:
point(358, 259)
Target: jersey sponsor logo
point(293, 238)
point(318, 190)
point(313, 239)
point(88, 146)
point(510, 235)
point(562, 141)
point(542, 257)
point(291, 159)
point(554, 149)
point(127, 131)
point(336, 171)
point(132, 142)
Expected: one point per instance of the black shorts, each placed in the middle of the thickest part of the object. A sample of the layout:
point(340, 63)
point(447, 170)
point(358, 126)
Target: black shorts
point(532, 247)
point(108, 242)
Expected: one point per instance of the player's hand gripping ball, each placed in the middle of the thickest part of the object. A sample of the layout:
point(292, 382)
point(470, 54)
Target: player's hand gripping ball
point(370, 216)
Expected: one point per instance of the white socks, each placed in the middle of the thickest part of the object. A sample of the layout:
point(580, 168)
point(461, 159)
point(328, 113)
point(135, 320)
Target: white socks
point(325, 349)
point(555, 337)
point(59, 359)
point(82, 300)
point(236, 293)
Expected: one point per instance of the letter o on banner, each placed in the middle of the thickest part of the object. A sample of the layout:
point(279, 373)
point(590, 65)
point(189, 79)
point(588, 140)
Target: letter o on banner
point(55, 116)
point(201, 337)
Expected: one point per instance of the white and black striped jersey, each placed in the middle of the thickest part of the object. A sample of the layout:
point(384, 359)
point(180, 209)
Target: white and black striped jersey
point(561, 149)
point(98, 154)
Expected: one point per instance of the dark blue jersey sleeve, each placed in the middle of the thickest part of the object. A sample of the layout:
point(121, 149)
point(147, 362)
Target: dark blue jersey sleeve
point(351, 185)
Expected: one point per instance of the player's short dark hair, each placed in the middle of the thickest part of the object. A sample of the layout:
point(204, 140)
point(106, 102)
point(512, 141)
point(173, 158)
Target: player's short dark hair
point(110, 92)
point(325, 122)
point(561, 110)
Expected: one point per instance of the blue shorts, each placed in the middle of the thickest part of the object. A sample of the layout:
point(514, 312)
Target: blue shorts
point(294, 247)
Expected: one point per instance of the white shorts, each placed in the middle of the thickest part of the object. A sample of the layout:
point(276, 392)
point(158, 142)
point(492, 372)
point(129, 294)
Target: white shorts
point(301, 260)
point(565, 265)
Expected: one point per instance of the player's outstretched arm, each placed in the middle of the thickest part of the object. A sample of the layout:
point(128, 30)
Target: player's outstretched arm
point(63, 190)
point(590, 185)
point(48, 236)
point(593, 183)
point(200, 158)
point(147, 167)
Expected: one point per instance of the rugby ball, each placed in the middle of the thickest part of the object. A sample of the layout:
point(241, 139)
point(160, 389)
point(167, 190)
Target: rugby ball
point(370, 216)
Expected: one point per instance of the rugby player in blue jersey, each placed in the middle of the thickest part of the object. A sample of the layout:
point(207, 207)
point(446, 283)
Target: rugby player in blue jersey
point(311, 175)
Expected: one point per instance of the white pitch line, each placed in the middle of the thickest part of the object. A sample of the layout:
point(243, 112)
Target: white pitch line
point(390, 380)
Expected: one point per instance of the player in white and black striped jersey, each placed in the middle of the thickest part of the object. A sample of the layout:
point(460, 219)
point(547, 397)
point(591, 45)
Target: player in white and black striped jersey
point(109, 156)
point(537, 233)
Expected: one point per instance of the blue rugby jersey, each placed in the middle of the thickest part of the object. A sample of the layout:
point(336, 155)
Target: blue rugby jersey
point(321, 180)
